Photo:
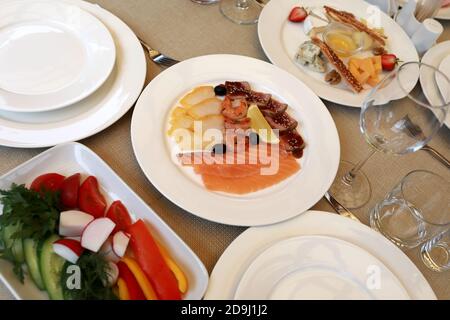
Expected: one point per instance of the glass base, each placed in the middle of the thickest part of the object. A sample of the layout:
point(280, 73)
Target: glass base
point(436, 258)
point(246, 13)
point(205, 1)
point(351, 195)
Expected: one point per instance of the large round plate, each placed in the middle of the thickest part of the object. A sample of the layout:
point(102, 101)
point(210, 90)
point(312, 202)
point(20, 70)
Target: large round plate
point(282, 201)
point(52, 55)
point(280, 40)
point(434, 57)
point(443, 14)
point(93, 114)
point(318, 267)
point(244, 249)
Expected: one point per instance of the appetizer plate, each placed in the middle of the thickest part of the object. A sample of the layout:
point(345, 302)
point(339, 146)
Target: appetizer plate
point(443, 14)
point(317, 267)
point(280, 202)
point(74, 157)
point(435, 57)
point(53, 55)
point(281, 39)
point(243, 251)
point(93, 114)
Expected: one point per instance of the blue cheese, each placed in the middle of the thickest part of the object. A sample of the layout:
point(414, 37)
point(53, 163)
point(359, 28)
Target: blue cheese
point(310, 56)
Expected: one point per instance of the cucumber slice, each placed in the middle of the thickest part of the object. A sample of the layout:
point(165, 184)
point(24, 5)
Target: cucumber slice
point(51, 267)
point(31, 258)
point(15, 245)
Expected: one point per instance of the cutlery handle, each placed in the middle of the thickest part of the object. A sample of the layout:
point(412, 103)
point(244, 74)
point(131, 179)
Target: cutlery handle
point(438, 156)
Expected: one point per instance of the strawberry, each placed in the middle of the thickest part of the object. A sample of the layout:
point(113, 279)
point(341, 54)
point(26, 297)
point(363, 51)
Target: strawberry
point(298, 14)
point(389, 61)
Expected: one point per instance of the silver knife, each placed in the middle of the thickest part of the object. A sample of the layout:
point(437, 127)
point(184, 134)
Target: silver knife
point(340, 209)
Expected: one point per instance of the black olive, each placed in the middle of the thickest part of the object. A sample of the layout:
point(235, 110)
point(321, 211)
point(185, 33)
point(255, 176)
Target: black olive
point(219, 148)
point(253, 137)
point(220, 90)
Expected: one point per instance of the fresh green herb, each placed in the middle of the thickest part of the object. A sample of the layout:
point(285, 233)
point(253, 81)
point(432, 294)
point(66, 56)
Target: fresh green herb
point(95, 272)
point(37, 213)
point(6, 253)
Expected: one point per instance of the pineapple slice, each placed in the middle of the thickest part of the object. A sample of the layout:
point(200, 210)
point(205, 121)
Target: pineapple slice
point(208, 107)
point(198, 95)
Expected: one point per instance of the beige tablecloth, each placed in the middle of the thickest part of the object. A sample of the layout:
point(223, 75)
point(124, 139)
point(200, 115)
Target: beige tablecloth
point(183, 30)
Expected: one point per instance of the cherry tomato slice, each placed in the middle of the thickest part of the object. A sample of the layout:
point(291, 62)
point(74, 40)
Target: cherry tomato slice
point(118, 213)
point(90, 200)
point(48, 182)
point(69, 191)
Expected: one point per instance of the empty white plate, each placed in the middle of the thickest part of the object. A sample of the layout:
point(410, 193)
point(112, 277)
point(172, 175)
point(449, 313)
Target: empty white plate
point(318, 267)
point(52, 54)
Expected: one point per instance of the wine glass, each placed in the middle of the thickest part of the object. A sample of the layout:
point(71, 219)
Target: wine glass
point(399, 116)
point(241, 11)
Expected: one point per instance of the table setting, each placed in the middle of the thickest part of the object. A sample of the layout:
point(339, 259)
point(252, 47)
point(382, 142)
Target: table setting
point(225, 149)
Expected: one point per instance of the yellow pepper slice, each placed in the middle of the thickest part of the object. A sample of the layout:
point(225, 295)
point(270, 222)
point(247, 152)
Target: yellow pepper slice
point(178, 273)
point(141, 278)
point(123, 290)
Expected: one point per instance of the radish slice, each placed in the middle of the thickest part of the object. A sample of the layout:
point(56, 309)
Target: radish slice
point(96, 233)
point(120, 243)
point(73, 222)
point(107, 251)
point(68, 249)
point(113, 274)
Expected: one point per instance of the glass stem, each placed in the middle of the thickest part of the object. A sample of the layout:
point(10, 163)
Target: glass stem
point(242, 4)
point(350, 176)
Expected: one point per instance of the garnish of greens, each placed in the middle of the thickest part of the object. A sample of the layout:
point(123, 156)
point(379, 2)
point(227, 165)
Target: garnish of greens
point(95, 272)
point(36, 213)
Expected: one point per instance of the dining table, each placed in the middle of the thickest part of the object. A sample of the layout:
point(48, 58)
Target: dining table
point(183, 29)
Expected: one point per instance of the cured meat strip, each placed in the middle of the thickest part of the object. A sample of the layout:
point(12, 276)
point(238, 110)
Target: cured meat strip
point(274, 108)
point(339, 65)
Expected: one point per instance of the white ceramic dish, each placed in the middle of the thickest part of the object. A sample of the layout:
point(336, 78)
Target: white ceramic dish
point(52, 55)
point(280, 40)
point(443, 14)
point(244, 249)
point(280, 202)
point(318, 267)
point(72, 158)
point(434, 57)
point(93, 114)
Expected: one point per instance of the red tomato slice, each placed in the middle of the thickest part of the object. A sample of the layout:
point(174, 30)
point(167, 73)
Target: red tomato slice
point(48, 181)
point(90, 200)
point(69, 191)
point(118, 213)
point(152, 262)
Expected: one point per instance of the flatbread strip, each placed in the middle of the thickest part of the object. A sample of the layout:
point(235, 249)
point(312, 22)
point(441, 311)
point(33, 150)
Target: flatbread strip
point(347, 17)
point(339, 65)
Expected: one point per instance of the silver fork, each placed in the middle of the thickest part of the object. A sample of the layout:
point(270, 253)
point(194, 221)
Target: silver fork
point(415, 131)
point(157, 57)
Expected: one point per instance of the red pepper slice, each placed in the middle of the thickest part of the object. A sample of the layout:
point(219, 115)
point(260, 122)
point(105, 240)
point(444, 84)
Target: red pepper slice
point(152, 262)
point(90, 200)
point(118, 213)
point(134, 289)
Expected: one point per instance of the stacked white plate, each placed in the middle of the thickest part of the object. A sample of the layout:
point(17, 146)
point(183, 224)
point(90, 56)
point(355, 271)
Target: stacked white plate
point(317, 255)
point(68, 69)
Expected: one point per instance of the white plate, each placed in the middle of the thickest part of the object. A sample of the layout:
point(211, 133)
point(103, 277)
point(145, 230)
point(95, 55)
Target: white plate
point(434, 57)
point(443, 14)
point(245, 248)
point(280, 202)
point(52, 55)
point(318, 267)
point(93, 114)
point(280, 40)
point(71, 158)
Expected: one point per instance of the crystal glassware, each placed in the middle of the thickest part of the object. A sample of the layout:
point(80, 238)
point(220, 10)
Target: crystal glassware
point(415, 211)
point(205, 1)
point(436, 253)
point(241, 11)
point(399, 116)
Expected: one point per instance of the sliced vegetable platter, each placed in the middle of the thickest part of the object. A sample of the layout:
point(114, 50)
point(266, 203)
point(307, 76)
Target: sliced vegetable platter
point(70, 228)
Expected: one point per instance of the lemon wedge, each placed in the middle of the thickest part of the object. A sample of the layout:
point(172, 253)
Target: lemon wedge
point(260, 125)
